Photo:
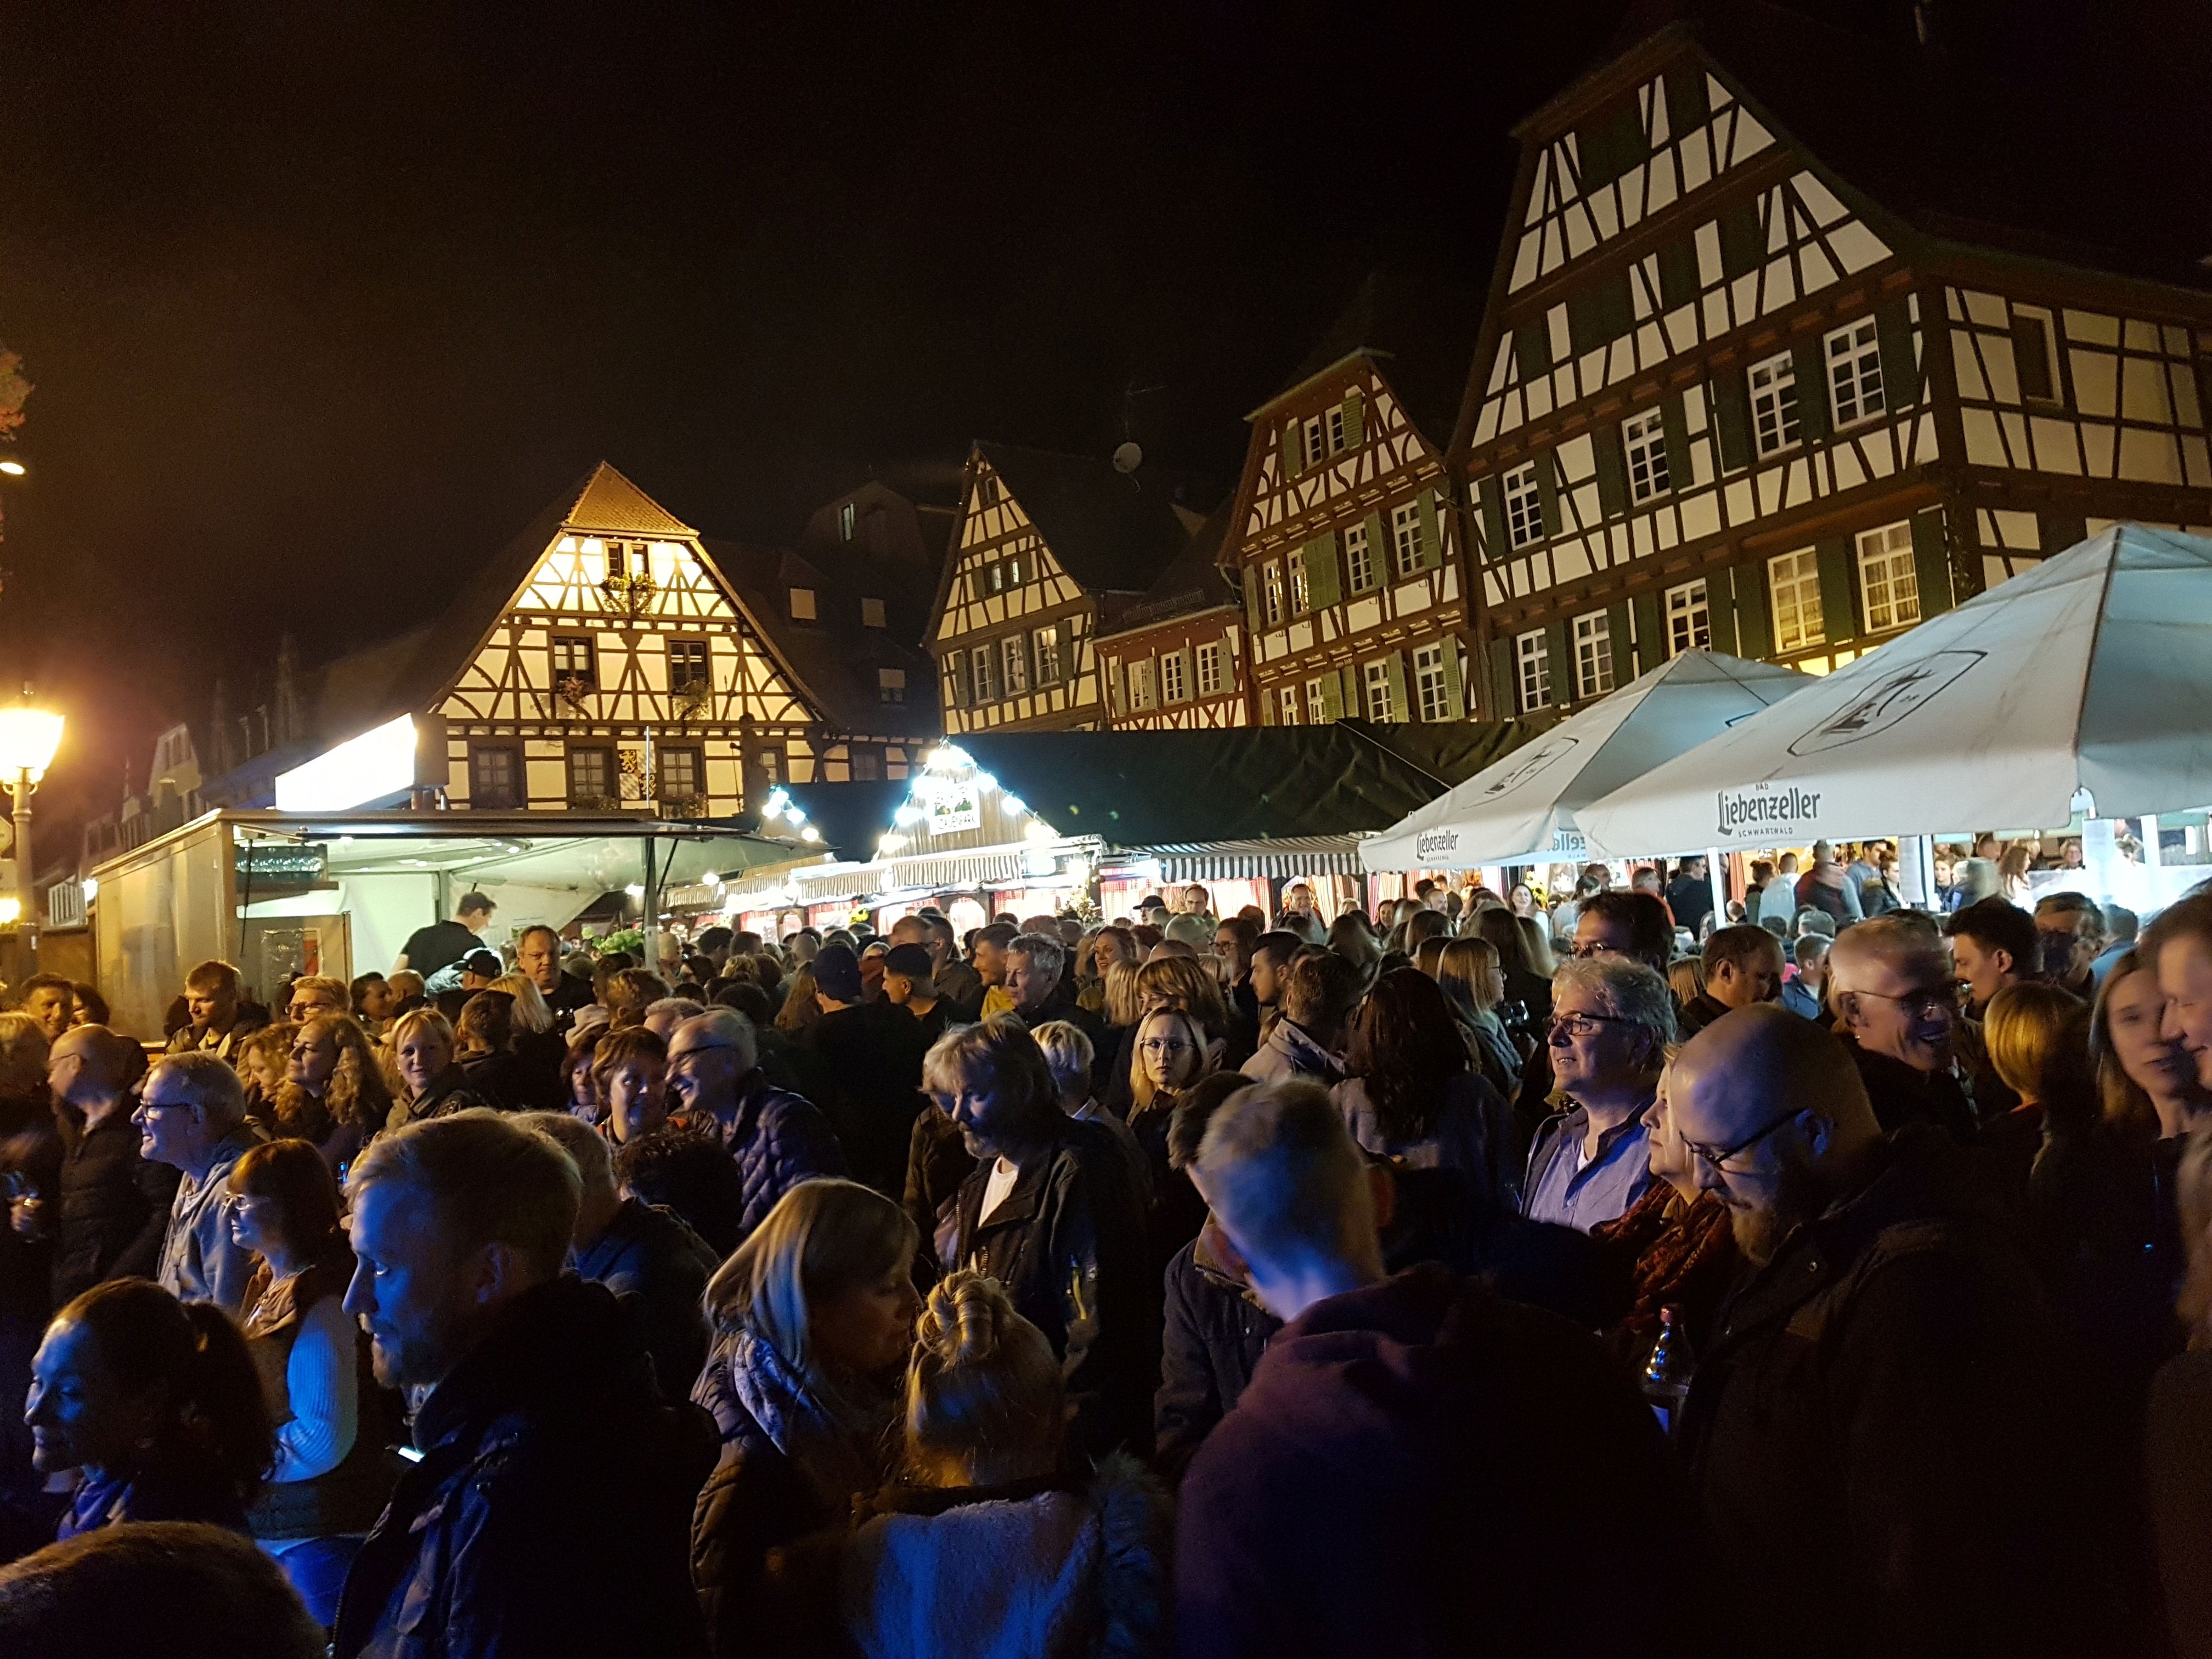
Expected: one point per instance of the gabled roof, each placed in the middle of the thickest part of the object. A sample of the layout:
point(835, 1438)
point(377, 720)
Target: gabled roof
point(1191, 583)
point(1111, 532)
point(1417, 331)
point(611, 502)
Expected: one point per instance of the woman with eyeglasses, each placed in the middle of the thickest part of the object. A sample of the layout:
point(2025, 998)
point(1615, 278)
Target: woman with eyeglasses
point(1523, 984)
point(1170, 1054)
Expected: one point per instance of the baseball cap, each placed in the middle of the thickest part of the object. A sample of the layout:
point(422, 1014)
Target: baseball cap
point(837, 973)
point(911, 961)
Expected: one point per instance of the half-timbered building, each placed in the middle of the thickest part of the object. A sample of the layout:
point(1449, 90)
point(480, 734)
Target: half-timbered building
point(1176, 661)
point(1047, 549)
point(1342, 536)
point(1739, 388)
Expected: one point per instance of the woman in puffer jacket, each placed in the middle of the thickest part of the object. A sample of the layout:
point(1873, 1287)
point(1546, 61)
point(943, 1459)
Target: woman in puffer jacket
point(989, 1544)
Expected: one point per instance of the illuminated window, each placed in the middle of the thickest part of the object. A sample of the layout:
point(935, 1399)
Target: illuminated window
point(845, 522)
point(1174, 677)
point(1644, 439)
point(1592, 655)
point(1271, 593)
point(1887, 582)
point(688, 664)
point(1524, 508)
point(1774, 404)
point(983, 675)
point(1381, 705)
point(1336, 428)
point(1689, 619)
point(986, 491)
point(1431, 691)
point(1794, 579)
point(1358, 559)
point(1854, 358)
point(871, 613)
point(1317, 444)
point(1532, 654)
point(1316, 704)
point(1014, 651)
point(1140, 684)
point(1296, 564)
point(1209, 670)
point(1045, 643)
point(1286, 704)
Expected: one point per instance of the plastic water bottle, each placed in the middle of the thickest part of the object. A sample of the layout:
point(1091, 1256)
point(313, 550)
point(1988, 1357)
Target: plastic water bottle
point(1667, 1373)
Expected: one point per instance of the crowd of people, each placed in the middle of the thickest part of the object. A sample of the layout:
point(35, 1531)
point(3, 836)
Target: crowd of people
point(1554, 1272)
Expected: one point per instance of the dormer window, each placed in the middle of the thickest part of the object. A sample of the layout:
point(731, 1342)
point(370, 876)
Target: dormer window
point(802, 604)
point(871, 613)
point(986, 491)
point(845, 515)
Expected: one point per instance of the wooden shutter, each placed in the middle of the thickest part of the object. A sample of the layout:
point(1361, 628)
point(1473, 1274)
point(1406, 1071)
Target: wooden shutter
point(1931, 563)
point(1324, 584)
point(1252, 616)
point(1332, 697)
point(1815, 415)
point(1720, 605)
point(1688, 102)
point(1839, 596)
point(957, 663)
point(1681, 470)
point(1754, 633)
point(1454, 701)
point(1559, 660)
point(1382, 556)
point(1350, 675)
point(1432, 544)
point(1064, 647)
point(1267, 700)
point(1678, 274)
point(1901, 373)
point(1611, 471)
point(1623, 655)
point(1743, 239)
point(1532, 350)
point(1547, 493)
point(1651, 632)
point(1505, 698)
point(1294, 458)
point(1394, 665)
point(1732, 419)
point(1355, 425)
point(1616, 305)
point(1493, 516)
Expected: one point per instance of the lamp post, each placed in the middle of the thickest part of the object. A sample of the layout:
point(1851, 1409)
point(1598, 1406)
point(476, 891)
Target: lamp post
point(28, 738)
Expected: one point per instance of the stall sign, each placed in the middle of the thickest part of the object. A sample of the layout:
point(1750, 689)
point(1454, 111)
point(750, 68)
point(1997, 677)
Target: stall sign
point(955, 807)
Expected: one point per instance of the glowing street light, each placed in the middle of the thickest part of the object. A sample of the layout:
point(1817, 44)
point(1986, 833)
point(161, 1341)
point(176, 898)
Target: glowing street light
point(14, 468)
point(28, 737)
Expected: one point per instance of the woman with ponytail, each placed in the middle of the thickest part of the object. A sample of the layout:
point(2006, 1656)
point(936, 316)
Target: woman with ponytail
point(157, 1401)
point(989, 1544)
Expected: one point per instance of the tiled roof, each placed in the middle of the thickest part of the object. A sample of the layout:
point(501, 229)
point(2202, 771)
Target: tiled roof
point(1417, 331)
point(1114, 532)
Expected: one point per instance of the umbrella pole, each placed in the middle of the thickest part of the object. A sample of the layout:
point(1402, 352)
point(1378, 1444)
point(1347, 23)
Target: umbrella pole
point(2150, 850)
point(1720, 887)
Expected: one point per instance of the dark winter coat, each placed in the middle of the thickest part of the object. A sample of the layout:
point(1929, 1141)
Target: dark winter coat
point(1215, 1335)
point(1399, 1477)
point(937, 1161)
point(869, 1059)
point(1700, 1012)
point(550, 1514)
point(778, 1138)
point(111, 1207)
point(1472, 1133)
point(648, 1258)
point(1883, 1430)
point(1901, 1095)
point(1069, 1244)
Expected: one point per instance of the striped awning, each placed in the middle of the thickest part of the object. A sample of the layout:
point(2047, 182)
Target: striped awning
point(1282, 856)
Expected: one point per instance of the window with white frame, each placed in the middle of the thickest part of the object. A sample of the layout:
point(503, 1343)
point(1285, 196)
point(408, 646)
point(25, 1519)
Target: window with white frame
point(1432, 689)
point(1405, 537)
point(1532, 671)
point(1175, 676)
point(1317, 444)
point(1774, 421)
point(1853, 354)
point(1359, 558)
point(1524, 508)
point(1140, 684)
point(1887, 582)
point(1271, 593)
point(1015, 652)
point(1689, 619)
point(1286, 705)
point(1295, 563)
point(1381, 705)
point(1209, 670)
point(1592, 655)
point(845, 516)
point(1336, 428)
point(983, 673)
point(1044, 644)
point(1794, 581)
point(1316, 704)
point(1644, 439)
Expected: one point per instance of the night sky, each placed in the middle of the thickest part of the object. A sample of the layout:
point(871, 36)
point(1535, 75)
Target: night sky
point(323, 302)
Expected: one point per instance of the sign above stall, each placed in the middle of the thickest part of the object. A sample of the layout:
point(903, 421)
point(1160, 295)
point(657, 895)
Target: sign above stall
point(954, 806)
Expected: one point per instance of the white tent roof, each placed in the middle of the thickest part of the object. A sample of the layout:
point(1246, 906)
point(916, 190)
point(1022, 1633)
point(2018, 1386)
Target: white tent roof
point(2092, 671)
point(1527, 805)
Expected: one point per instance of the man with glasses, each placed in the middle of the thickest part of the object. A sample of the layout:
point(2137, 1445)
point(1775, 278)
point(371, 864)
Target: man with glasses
point(777, 1139)
point(317, 993)
point(191, 1116)
point(1855, 1425)
point(1612, 1020)
point(1625, 923)
point(1897, 1011)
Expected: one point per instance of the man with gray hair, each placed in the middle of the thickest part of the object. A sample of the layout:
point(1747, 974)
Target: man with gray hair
point(549, 1512)
point(1897, 1009)
point(1612, 1020)
point(191, 1116)
point(664, 1016)
point(777, 1137)
point(1035, 979)
point(1377, 1489)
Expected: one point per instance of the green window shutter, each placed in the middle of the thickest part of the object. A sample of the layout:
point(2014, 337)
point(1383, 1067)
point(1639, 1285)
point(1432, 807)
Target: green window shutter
point(1454, 702)
point(1267, 700)
point(1678, 274)
point(1379, 553)
point(1612, 144)
point(1559, 657)
point(1616, 306)
point(1931, 563)
point(1600, 311)
point(1651, 632)
point(1814, 412)
point(1623, 656)
point(1900, 375)
point(1294, 458)
point(1532, 350)
point(1432, 544)
point(1720, 603)
point(1324, 586)
point(1394, 664)
point(958, 662)
point(1611, 471)
point(1349, 674)
point(1547, 493)
point(1688, 103)
point(1355, 419)
point(1743, 240)
point(1503, 701)
point(1732, 419)
point(1332, 697)
point(1839, 599)
point(1681, 470)
point(1754, 634)
point(1252, 597)
point(1584, 331)
point(1493, 516)
point(1066, 636)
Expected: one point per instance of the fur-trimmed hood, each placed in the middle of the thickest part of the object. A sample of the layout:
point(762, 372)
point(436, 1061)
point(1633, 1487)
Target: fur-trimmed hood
point(1073, 1572)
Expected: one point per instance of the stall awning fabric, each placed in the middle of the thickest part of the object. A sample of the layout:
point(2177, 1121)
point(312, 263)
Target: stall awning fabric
point(1528, 804)
point(1247, 860)
point(2092, 671)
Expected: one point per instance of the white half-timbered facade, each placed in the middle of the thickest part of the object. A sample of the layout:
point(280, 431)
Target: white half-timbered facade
point(1723, 397)
point(1343, 539)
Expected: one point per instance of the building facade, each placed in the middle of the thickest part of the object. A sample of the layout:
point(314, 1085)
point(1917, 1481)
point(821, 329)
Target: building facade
point(1343, 540)
point(1725, 397)
point(1177, 660)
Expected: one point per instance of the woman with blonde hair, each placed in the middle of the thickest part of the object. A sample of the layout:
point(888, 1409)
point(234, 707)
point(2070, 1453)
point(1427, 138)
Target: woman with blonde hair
point(982, 1547)
point(432, 1082)
point(1123, 1002)
point(334, 1093)
point(802, 1007)
point(265, 1059)
point(813, 1317)
point(1474, 983)
point(2038, 1043)
point(533, 1013)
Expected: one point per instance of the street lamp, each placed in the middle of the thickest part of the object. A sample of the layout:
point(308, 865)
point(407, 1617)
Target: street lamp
point(28, 738)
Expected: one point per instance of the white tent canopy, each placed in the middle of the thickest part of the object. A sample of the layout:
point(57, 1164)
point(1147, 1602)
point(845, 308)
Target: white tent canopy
point(2092, 672)
point(1527, 805)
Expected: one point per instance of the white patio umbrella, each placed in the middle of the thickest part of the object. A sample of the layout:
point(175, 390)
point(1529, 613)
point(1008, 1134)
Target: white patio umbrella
point(1527, 805)
point(2092, 672)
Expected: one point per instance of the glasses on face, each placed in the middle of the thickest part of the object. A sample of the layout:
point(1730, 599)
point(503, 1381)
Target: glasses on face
point(1717, 1156)
point(1582, 1025)
point(1585, 949)
point(1164, 1048)
point(1924, 1004)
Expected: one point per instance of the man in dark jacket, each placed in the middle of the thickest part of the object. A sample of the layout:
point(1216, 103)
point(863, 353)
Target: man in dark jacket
point(1690, 894)
point(112, 1205)
point(778, 1138)
point(868, 1056)
point(1742, 965)
point(1040, 994)
point(1897, 1010)
point(1882, 1434)
point(1383, 1486)
point(550, 1514)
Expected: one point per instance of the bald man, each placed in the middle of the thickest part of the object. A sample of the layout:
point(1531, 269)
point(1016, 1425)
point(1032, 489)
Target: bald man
point(1897, 1010)
point(1856, 1429)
